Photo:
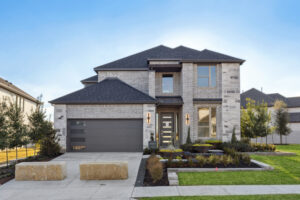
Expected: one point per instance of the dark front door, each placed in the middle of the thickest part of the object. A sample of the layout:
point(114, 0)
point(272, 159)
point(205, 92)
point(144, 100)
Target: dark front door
point(166, 129)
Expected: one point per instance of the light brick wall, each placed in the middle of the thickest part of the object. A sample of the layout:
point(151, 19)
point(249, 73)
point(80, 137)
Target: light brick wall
point(148, 128)
point(231, 100)
point(137, 79)
point(152, 83)
point(176, 84)
point(215, 92)
point(60, 124)
point(187, 88)
point(105, 111)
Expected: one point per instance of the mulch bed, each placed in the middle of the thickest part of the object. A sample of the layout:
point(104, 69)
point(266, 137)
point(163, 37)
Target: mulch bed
point(148, 181)
point(8, 173)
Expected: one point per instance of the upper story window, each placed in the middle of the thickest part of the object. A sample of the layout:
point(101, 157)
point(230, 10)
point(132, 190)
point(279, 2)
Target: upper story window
point(206, 76)
point(167, 83)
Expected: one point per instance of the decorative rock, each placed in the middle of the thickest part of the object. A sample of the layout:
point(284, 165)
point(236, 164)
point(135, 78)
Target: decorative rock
point(40, 171)
point(104, 171)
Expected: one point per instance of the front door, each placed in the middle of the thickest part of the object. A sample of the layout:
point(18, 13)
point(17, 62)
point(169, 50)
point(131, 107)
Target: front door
point(166, 129)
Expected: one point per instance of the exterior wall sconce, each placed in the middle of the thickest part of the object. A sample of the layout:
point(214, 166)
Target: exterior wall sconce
point(187, 119)
point(148, 118)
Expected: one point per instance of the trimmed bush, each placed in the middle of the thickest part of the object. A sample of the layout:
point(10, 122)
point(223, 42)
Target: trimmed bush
point(156, 171)
point(214, 160)
point(151, 161)
point(201, 160)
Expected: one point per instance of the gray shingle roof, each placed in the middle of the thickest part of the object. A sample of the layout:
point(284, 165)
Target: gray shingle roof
point(270, 99)
point(139, 61)
point(293, 101)
point(294, 117)
point(108, 91)
point(256, 95)
point(169, 100)
point(92, 79)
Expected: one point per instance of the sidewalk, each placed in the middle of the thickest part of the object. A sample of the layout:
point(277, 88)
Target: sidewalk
point(214, 190)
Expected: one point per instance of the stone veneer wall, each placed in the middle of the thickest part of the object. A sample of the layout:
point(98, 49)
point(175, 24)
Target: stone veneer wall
point(231, 100)
point(137, 79)
point(176, 84)
point(148, 128)
point(60, 124)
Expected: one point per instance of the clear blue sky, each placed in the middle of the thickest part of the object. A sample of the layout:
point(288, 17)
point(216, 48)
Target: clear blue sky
point(49, 46)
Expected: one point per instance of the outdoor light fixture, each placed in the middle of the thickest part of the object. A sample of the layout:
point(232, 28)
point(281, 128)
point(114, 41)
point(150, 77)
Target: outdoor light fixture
point(148, 118)
point(187, 119)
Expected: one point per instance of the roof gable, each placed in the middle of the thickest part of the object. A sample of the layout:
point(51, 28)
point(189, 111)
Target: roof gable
point(139, 61)
point(92, 79)
point(257, 96)
point(108, 91)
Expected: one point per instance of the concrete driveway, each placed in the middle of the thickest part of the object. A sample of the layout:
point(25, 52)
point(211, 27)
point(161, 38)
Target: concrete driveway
point(72, 187)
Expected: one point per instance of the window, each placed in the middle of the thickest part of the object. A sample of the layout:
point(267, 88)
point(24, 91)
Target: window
point(206, 76)
point(207, 122)
point(167, 83)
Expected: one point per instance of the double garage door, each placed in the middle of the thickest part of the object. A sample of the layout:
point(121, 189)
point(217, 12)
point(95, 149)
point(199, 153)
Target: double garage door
point(105, 135)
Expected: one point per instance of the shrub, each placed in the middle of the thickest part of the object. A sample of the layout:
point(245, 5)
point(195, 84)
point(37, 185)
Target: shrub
point(236, 160)
point(213, 141)
point(170, 150)
point(156, 171)
point(151, 161)
point(233, 137)
point(214, 160)
point(246, 159)
point(201, 160)
point(226, 160)
point(148, 151)
point(49, 143)
point(187, 147)
point(188, 139)
point(190, 162)
point(202, 145)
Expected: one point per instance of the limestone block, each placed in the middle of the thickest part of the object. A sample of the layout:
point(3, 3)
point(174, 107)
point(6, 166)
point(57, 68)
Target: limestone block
point(40, 171)
point(104, 171)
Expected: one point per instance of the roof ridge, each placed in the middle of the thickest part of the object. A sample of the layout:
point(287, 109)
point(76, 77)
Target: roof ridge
point(99, 66)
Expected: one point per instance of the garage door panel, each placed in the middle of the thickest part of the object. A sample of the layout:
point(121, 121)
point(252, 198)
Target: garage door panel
point(108, 135)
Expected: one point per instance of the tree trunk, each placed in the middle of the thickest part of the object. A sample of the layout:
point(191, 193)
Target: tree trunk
point(16, 154)
point(280, 139)
point(26, 150)
point(266, 139)
point(6, 158)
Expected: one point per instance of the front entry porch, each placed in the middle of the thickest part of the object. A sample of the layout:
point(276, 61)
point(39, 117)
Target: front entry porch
point(168, 126)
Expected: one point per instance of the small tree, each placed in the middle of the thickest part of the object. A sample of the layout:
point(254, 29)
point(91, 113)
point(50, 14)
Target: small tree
point(3, 129)
point(188, 139)
point(248, 119)
point(16, 126)
point(262, 121)
point(49, 141)
point(36, 123)
point(233, 137)
point(281, 119)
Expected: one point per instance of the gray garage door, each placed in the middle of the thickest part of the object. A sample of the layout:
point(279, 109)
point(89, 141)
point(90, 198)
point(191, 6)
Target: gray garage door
point(106, 135)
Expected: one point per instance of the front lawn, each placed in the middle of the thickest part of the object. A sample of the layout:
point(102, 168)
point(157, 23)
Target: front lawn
point(238, 197)
point(287, 171)
point(12, 154)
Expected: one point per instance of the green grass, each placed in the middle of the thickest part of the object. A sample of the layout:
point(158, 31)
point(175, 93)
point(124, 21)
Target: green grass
point(238, 197)
point(287, 171)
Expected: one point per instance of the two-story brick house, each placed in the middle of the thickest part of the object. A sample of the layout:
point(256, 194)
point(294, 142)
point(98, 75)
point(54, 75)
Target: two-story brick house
point(161, 92)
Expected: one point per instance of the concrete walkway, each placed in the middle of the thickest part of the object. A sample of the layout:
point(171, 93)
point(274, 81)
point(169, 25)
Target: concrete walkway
point(72, 188)
point(214, 190)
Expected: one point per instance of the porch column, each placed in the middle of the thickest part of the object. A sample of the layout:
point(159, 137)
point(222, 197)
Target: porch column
point(149, 111)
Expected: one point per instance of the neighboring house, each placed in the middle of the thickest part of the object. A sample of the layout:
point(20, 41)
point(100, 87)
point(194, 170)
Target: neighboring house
point(11, 93)
point(293, 108)
point(161, 92)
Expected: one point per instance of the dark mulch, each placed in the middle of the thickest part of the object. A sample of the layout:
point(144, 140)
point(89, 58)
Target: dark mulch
point(148, 181)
